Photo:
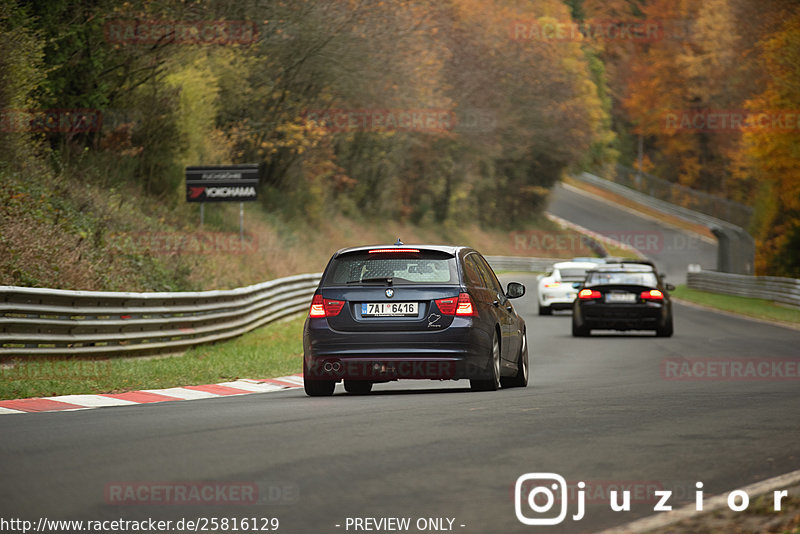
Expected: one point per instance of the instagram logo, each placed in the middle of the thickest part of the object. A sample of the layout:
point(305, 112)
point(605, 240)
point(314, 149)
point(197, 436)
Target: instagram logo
point(540, 491)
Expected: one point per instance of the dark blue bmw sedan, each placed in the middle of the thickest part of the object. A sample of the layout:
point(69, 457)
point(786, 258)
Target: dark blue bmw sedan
point(391, 312)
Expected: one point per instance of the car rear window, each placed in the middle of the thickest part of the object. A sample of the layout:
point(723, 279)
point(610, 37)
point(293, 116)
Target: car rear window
point(425, 267)
point(626, 278)
point(572, 274)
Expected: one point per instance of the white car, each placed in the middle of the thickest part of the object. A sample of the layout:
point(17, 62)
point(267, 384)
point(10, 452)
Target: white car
point(555, 289)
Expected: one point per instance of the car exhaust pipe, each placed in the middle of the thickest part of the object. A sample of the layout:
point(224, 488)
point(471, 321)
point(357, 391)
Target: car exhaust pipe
point(332, 366)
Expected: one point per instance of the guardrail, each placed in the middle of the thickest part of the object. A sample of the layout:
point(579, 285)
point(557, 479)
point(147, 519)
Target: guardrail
point(776, 289)
point(49, 322)
point(722, 208)
point(56, 322)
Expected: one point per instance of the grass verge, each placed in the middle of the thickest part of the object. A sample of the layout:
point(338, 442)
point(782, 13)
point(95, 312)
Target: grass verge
point(758, 308)
point(270, 351)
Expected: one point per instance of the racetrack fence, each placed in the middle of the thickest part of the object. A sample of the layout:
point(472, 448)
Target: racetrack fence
point(55, 322)
point(58, 323)
point(777, 289)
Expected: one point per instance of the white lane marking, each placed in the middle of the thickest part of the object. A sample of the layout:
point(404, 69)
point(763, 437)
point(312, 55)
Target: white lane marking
point(258, 387)
point(182, 393)
point(91, 401)
point(709, 505)
point(9, 410)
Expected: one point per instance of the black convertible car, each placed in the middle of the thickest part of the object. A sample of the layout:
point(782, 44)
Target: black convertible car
point(392, 312)
point(628, 296)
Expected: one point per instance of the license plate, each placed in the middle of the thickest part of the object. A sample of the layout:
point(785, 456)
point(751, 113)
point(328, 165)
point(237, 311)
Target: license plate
point(389, 309)
point(620, 297)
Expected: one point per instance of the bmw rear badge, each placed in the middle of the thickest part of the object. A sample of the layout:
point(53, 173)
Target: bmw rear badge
point(389, 293)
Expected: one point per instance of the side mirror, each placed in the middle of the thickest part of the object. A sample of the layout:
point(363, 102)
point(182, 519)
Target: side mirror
point(515, 290)
point(576, 285)
point(670, 287)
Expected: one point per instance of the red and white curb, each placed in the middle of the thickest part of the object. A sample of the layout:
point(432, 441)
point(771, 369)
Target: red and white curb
point(148, 396)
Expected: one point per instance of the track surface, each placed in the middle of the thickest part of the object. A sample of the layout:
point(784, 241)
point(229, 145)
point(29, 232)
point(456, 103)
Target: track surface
point(671, 249)
point(597, 409)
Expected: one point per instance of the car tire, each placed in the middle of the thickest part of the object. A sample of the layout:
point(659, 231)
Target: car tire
point(545, 310)
point(319, 388)
point(579, 331)
point(357, 387)
point(667, 330)
point(521, 380)
point(493, 382)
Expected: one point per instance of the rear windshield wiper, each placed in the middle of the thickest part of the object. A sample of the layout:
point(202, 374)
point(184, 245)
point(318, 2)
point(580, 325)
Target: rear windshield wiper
point(384, 279)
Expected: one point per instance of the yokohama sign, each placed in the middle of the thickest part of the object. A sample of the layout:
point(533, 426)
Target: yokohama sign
point(232, 183)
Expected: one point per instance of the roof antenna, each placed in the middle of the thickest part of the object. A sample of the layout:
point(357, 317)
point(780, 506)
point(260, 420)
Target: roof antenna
point(398, 242)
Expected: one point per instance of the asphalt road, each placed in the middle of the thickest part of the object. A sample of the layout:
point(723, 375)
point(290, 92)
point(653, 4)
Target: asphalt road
point(670, 248)
point(598, 410)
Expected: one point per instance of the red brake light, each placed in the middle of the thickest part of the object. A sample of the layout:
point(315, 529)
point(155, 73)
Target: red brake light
point(465, 307)
point(325, 307)
point(333, 307)
point(390, 250)
point(586, 294)
point(447, 306)
point(317, 309)
point(653, 294)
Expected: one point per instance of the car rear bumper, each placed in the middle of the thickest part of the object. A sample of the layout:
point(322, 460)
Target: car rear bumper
point(558, 300)
point(636, 317)
point(456, 352)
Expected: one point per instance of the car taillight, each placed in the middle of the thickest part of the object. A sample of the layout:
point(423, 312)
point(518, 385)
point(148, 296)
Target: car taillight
point(394, 251)
point(653, 294)
point(325, 307)
point(447, 306)
point(553, 284)
point(586, 294)
point(465, 307)
point(333, 307)
point(317, 308)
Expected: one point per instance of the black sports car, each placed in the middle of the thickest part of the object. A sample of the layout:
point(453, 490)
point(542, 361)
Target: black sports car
point(385, 313)
point(623, 297)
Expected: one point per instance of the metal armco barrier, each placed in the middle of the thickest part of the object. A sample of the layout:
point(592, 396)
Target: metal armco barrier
point(53, 322)
point(57, 322)
point(776, 289)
